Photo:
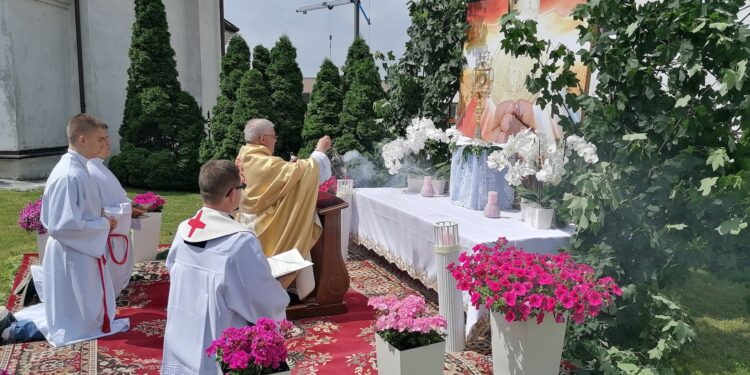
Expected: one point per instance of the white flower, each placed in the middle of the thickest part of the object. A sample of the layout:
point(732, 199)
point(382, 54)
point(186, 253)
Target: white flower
point(497, 160)
point(514, 176)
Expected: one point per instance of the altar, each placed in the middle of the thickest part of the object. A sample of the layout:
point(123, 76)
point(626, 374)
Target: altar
point(398, 227)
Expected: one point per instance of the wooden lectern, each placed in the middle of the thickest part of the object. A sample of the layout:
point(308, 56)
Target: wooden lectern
point(331, 276)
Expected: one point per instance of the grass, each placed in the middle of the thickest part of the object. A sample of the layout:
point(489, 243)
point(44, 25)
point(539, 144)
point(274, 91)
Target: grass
point(722, 321)
point(722, 325)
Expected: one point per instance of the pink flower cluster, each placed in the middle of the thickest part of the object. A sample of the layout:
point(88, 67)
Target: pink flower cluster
point(29, 217)
point(406, 315)
point(328, 185)
point(254, 347)
point(523, 285)
point(153, 202)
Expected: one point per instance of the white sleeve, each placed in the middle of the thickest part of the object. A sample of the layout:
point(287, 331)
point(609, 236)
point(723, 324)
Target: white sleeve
point(324, 166)
point(62, 215)
point(252, 292)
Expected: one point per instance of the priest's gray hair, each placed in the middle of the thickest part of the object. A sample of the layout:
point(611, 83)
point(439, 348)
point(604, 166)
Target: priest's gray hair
point(216, 178)
point(255, 128)
point(82, 124)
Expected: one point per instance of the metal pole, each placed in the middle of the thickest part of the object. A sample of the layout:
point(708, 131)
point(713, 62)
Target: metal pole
point(356, 19)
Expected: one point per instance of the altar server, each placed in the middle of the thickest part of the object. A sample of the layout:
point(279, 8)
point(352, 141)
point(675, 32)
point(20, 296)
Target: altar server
point(282, 195)
point(219, 276)
point(79, 300)
point(119, 247)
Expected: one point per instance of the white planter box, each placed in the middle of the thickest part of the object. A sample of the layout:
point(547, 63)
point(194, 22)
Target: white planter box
point(41, 243)
point(146, 237)
point(414, 184)
point(424, 360)
point(539, 218)
point(528, 348)
point(438, 186)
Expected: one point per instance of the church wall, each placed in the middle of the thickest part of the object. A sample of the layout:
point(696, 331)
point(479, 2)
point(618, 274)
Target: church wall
point(39, 72)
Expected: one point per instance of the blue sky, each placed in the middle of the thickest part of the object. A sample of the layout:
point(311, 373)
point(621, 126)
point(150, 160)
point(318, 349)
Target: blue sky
point(264, 21)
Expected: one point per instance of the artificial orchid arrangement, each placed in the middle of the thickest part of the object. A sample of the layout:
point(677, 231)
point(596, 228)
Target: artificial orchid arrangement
point(405, 323)
point(423, 140)
point(535, 164)
point(252, 350)
point(151, 201)
point(525, 285)
point(30, 217)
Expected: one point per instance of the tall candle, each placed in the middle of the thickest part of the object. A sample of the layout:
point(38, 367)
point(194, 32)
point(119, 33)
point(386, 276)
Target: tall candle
point(491, 197)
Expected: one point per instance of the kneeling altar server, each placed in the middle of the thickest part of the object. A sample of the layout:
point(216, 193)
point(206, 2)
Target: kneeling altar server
point(219, 276)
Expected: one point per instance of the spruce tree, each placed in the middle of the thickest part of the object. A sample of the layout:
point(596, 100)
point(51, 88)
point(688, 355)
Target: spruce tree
point(253, 101)
point(261, 60)
point(322, 117)
point(357, 118)
point(234, 64)
point(162, 125)
point(285, 78)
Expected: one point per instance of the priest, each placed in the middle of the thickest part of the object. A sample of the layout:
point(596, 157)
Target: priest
point(79, 300)
point(119, 248)
point(219, 276)
point(279, 200)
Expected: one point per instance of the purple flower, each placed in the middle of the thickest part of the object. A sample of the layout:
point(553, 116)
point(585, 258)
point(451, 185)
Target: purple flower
point(262, 345)
point(29, 217)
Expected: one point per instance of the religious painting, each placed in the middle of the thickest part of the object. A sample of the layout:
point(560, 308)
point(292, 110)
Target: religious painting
point(494, 102)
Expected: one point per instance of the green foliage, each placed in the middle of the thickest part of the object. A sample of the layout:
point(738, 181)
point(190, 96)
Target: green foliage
point(410, 340)
point(322, 117)
point(162, 125)
point(220, 144)
point(426, 78)
point(261, 60)
point(253, 101)
point(234, 64)
point(285, 79)
point(671, 192)
point(363, 88)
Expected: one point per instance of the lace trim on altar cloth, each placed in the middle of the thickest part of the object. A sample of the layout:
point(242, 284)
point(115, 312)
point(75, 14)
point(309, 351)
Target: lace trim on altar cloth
point(389, 256)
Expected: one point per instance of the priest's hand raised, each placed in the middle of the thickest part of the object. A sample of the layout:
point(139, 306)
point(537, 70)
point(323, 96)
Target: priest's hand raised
point(324, 144)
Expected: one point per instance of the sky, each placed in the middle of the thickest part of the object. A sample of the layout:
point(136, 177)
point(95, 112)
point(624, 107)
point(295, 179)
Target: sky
point(264, 21)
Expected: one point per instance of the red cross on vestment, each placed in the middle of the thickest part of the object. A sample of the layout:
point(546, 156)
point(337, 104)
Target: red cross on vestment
point(196, 223)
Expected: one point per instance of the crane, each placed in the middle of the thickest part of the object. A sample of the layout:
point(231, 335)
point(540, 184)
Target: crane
point(334, 3)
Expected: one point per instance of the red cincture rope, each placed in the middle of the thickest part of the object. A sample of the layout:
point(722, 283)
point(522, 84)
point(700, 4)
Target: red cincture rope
point(101, 262)
point(111, 248)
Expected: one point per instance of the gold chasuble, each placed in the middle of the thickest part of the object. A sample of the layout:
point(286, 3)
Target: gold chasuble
point(283, 196)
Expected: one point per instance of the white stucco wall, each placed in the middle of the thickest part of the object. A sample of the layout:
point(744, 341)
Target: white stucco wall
point(39, 73)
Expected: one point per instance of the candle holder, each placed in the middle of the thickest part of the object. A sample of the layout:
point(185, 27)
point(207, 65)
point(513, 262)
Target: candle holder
point(345, 191)
point(427, 190)
point(344, 188)
point(447, 247)
point(492, 210)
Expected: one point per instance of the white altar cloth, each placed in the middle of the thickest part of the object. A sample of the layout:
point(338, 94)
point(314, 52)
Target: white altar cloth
point(398, 227)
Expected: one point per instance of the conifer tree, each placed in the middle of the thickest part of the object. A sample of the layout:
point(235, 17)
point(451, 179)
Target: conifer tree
point(234, 64)
point(285, 78)
point(357, 118)
point(322, 117)
point(253, 101)
point(261, 60)
point(162, 125)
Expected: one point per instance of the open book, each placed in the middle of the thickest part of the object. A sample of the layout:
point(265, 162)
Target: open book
point(287, 262)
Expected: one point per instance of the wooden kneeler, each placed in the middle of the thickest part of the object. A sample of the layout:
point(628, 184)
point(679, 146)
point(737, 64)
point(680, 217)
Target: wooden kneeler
point(329, 268)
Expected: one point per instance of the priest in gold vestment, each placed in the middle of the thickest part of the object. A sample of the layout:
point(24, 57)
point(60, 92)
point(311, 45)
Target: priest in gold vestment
point(279, 200)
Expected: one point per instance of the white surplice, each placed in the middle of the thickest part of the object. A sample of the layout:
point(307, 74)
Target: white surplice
point(119, 249)
point(78, 292)
point(219, 278)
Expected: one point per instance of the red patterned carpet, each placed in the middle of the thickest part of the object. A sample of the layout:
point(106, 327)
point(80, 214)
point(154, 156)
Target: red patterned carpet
point(341, 344)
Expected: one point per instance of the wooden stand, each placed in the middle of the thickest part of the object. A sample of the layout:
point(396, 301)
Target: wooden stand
point(331, 276)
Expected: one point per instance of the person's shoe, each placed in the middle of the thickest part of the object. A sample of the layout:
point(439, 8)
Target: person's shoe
point(293, 298)
point(6, 318)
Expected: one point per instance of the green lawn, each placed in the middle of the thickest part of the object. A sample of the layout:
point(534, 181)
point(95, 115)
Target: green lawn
point(722, 321)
